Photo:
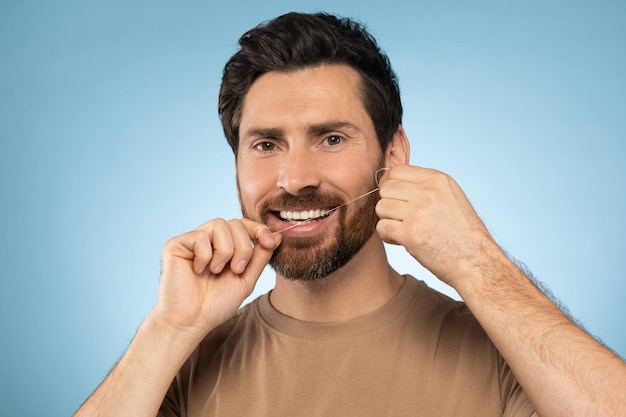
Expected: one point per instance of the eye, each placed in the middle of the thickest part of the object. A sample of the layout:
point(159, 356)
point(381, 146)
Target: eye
point(265, 146)
point(333, 140)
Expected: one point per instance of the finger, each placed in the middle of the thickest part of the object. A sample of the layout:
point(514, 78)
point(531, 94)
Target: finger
point(194, 247)
point(397, 189)
point(259, 260)
point(242, 246)
point(396, 172)
point(391, 209)
point(380, 172)
point(410, 173)
point(202, 251)
point(262, 234)
point(390, 231)
point(262, 252)
point(221, 241)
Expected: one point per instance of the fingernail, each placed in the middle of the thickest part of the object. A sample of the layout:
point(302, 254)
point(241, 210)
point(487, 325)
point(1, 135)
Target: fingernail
point(269, 240)
point(241, 266)
point(258, 232)
point(219, 267)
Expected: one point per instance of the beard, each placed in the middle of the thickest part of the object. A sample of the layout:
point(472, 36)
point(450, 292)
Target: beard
point(315, 257)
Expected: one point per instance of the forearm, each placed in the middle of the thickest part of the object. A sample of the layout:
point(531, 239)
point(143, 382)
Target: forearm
point(138, 383)
point(196, 294)
point(564, 371)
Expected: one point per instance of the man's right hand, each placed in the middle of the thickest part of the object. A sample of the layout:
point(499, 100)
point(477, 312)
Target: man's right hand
point(206, 276)
point(208, 273)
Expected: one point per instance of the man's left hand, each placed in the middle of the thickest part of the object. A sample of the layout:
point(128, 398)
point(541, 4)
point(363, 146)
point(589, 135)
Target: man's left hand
point(426, 211)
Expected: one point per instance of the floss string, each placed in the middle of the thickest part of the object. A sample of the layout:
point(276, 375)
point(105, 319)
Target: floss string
point(338, 207)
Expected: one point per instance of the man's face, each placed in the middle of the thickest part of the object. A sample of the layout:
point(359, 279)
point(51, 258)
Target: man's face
point(307, 145)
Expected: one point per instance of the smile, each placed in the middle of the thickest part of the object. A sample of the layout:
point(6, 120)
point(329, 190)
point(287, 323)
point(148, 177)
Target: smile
point(303, 216)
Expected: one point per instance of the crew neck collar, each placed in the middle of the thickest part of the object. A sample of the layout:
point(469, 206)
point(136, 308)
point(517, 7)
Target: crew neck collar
point(340, 331)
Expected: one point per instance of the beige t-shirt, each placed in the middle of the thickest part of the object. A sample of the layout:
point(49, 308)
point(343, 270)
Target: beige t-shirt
point(421, 354)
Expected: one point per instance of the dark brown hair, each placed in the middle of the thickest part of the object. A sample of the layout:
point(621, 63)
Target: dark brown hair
point(294, 41)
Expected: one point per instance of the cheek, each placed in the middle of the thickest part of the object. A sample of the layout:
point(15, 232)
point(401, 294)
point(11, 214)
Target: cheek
point(361, 167)
point(358, 177)
point(253, 185)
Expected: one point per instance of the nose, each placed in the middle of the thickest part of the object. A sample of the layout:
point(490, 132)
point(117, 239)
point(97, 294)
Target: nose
point(298, 172)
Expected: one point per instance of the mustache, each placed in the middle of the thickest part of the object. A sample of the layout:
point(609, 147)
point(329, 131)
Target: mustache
point(304, 200)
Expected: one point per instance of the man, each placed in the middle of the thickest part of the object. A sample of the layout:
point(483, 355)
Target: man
point(311, 109)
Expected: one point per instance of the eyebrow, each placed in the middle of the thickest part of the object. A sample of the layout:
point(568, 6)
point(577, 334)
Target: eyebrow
point(328, 126)
point(261, 132)
point(311, 130)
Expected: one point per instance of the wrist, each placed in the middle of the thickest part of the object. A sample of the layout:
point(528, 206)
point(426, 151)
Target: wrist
point(487, 274)
point(177, 342)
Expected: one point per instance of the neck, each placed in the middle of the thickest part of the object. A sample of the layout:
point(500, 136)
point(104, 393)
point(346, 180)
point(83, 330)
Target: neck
point(364, 284)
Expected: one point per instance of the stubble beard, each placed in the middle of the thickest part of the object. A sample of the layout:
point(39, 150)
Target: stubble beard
point(316, 257)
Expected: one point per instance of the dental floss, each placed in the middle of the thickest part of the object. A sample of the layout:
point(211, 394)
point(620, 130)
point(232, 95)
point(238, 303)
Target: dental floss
point(338, 207)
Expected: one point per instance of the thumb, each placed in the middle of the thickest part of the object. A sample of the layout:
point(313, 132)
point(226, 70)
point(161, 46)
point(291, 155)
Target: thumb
point(262, 252)
point(262, 234)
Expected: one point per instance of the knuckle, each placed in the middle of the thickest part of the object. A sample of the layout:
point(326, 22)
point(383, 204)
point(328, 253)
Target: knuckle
point(384, 228)
point(442, 179)
point(219, 222)
point(211, 224)
point(170, 244)
point(236, 225)
point(223, 251)
point(382, 204)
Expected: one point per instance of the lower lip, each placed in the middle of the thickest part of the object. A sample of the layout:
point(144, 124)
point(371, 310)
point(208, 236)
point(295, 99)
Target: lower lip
point(306, 229)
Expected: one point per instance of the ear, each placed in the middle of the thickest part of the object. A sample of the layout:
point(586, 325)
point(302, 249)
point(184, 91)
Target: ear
point(398, 151)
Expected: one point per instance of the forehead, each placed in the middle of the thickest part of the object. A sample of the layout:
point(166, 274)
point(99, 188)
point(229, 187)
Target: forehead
point(310, 95)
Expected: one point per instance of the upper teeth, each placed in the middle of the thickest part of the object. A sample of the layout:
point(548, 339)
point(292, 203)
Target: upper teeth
point(302, 215)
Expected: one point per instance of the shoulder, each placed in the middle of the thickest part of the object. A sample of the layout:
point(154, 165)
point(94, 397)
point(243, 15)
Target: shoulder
point(449, 322)
point(434, 304)
point(225, 336)
point(243, 320)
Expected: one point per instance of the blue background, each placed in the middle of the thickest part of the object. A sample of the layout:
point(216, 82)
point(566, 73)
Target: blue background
point(111, 144)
